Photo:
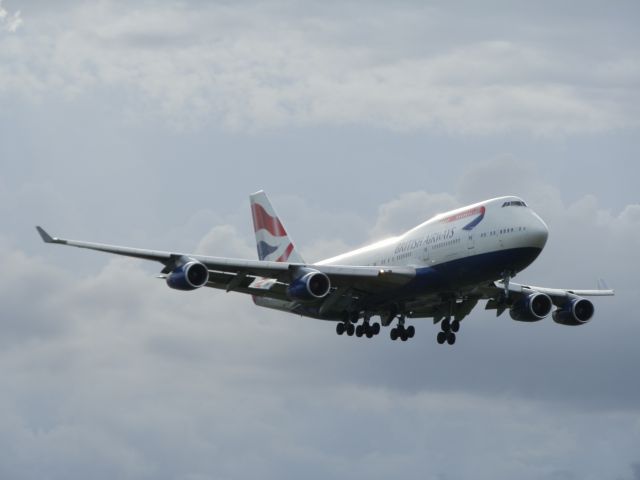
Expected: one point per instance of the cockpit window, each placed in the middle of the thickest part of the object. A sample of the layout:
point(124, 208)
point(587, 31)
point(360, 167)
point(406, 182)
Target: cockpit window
point(514, 203)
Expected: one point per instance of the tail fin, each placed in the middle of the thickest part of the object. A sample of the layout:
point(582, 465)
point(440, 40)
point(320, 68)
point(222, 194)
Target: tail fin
point(272, 240)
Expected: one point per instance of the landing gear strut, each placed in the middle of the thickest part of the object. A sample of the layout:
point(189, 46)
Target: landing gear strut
point(506, 278)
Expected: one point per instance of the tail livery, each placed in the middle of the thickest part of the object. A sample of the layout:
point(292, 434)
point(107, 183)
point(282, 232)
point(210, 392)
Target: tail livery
point(272, 241)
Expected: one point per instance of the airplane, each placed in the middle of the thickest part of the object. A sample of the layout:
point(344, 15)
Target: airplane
point(439, 270)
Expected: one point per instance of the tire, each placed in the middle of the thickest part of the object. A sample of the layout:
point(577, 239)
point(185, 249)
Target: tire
point(376, 328)
point(340, 327)
point(445, 324)
point(455, 326)
point(393, 334)
point(350, 329)
point(404, 336)
point(442, 337)
point(411, 331)
point(451, 338)
point(359, 331)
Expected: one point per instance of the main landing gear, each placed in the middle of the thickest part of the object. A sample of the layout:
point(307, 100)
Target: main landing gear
point(449, 330)
point(401, 332)
point(367, 329)
point(348, 326)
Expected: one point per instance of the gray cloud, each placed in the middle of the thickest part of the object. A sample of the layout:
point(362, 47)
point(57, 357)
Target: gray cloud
point(139, 381)
point(255, 68)
point(400, 214)
point(149, 126)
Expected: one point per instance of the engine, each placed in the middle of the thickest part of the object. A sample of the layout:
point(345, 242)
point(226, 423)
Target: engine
point(577, 311)
point(309, 284)
point(188, 276)
point(532, 307)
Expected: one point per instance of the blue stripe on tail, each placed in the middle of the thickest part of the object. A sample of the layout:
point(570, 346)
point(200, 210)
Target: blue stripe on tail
point(264, 250)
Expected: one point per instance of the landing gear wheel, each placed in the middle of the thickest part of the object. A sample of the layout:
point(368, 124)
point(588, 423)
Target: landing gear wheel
point(442, 337)
point(404, 336)
point(411, 331)
point(445, 324)
point(394, 334)
point(359, 331)
point(340, 328)
point(375, 328)
point(350, 329)
point(451, 338)
point(369, 333)
point(455, 326)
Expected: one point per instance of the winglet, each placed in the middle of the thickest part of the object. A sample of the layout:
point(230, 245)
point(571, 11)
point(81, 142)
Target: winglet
point(46, 238)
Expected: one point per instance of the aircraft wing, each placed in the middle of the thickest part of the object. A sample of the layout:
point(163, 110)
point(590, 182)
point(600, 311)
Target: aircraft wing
point(560, 297)
point(555, 293)
point(233, 274)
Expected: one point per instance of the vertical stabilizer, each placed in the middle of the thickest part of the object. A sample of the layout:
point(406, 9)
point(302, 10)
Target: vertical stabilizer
point(272, 240)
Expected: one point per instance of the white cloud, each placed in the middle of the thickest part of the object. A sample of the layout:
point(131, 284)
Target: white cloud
point(409, 209)
point(9, 22)
point(225, 240)
point(251, 67)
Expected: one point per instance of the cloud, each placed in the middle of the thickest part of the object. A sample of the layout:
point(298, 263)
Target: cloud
point(249, 67)
point(402, 213)
point(139, 381)
point(22, 275)
point(9, 22)
point(108, 373)
point(225, 240)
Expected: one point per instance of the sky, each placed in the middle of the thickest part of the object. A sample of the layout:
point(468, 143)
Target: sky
point(149, 123)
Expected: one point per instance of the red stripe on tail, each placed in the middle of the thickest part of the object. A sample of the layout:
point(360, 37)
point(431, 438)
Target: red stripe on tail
point(262, 220)
point(285, 256)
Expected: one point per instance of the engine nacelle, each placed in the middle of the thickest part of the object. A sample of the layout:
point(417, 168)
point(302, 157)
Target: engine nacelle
point(188, 276)
point(532, 307)
point(309, 284)
point(577, 311)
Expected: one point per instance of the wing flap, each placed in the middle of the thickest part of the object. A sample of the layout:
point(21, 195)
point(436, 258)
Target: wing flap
point(243, 284)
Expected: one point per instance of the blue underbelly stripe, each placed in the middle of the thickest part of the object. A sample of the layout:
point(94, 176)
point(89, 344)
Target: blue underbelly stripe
point(483, 267)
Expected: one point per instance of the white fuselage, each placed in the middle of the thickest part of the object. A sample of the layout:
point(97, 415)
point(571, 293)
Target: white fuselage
point(500, 224)
point(452, 252)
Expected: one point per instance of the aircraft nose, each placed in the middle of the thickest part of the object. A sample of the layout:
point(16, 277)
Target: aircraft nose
point(538, 232)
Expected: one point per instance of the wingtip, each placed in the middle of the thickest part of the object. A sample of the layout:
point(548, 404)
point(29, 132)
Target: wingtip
point(46, 238)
